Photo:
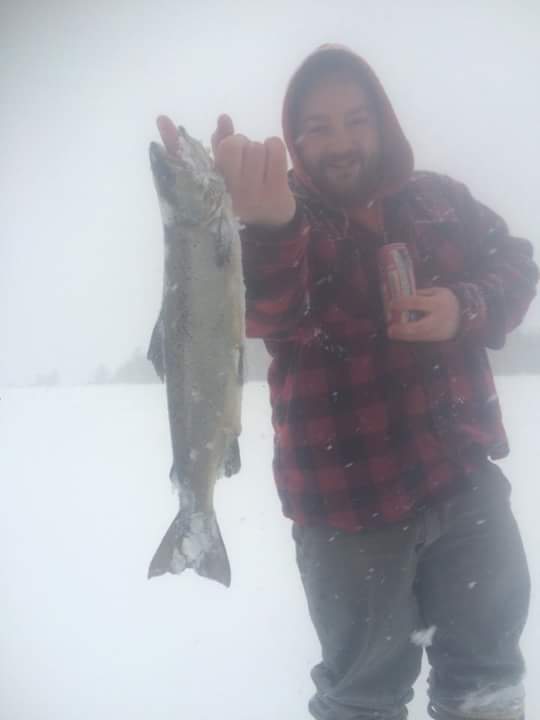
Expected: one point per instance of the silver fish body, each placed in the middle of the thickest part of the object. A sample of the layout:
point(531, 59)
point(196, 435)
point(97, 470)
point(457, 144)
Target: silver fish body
point(197, 347)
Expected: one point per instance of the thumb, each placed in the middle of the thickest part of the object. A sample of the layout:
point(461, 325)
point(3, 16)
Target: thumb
point(225, 127)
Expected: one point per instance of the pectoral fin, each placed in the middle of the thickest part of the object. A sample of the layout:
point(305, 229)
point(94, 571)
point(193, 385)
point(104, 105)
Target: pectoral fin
point(232, 463)
point(241, 366)
point(155, 350)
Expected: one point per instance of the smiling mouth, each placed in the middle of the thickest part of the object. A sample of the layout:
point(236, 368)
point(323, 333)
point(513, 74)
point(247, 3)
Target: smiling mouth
point(347, 165)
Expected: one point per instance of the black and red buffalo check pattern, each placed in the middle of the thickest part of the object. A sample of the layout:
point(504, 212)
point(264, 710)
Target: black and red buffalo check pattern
point(367, 429)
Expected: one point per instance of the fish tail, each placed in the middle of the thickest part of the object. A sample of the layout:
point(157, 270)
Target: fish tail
point(193, 541)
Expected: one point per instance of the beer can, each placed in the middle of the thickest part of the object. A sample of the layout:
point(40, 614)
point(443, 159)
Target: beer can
point(397, 279)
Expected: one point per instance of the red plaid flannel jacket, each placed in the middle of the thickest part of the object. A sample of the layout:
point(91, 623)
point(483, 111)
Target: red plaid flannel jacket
point(367, 429)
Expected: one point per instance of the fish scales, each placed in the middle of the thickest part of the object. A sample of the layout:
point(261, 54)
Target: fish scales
point(197, 348)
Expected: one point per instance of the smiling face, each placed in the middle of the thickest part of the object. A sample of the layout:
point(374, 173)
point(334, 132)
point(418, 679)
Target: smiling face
point(338, 140)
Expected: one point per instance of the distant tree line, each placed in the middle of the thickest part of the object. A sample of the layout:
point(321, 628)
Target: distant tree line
point(48, 379)
point(135, 371)
point(139, 370)
point(520, 355)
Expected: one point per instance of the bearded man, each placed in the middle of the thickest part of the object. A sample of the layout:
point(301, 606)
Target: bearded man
point(385, 434)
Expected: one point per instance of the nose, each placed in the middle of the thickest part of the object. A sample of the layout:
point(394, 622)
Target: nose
point(341, 142)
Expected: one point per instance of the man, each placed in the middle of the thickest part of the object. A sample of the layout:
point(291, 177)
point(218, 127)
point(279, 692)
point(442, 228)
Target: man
point(385, 435)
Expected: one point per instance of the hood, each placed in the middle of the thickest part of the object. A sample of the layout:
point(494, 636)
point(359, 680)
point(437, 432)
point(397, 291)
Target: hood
point(397, 160)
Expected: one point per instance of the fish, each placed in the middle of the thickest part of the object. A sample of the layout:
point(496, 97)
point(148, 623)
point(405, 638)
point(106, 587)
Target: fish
point(197, 349)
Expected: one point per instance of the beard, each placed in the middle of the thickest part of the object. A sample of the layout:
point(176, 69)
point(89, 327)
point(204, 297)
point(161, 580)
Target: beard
point(347, 180)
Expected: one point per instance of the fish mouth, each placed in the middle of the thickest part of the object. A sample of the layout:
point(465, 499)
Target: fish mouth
point(166, 166)
point(185, 157)
point(160, 154)
point(183, 138)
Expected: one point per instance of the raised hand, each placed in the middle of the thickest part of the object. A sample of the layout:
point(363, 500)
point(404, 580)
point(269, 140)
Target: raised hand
point(255, 174)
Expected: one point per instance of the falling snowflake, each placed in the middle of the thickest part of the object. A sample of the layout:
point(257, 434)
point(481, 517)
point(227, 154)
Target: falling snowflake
point(423, 638)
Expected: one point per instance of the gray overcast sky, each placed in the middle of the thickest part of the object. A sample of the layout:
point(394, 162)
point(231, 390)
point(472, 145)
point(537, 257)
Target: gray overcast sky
point(81, 84)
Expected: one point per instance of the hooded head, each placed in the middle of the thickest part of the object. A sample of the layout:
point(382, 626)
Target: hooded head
point(342, 134)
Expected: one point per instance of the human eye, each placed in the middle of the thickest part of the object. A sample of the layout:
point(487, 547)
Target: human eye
point(360, 120)
point(317, 130)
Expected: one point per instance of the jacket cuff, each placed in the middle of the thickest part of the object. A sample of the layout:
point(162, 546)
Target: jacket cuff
point(473, 309)
point(262, 234)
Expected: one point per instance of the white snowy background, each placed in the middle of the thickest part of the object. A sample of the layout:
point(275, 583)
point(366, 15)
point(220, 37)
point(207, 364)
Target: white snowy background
point(84, 491)
point(85, 500)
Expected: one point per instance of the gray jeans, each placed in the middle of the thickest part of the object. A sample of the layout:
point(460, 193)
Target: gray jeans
point(453, 579)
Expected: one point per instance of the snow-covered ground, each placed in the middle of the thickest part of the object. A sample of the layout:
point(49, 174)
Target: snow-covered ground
point(84, 501)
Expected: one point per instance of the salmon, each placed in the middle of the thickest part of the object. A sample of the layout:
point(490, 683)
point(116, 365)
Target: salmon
point(197, 348)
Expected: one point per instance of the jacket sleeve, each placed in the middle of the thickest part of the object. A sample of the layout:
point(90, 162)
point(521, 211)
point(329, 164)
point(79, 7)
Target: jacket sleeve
point(275, 276)
point(501, 275)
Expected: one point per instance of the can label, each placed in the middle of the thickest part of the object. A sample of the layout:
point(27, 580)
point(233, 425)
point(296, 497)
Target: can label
point(397, 279)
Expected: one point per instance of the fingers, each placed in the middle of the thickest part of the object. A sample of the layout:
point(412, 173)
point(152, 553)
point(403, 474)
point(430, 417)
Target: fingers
point(276, 161)
point(254, 166)
point(242, 162)
point(225, 125)
point(413, 331)
point(225, 128)
point(420, 301)
point(168, 133)
point(441, 316)
point(255, 175)
point(229, 158)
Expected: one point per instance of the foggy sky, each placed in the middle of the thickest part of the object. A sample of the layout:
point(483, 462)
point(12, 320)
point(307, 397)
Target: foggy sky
point(81, 85)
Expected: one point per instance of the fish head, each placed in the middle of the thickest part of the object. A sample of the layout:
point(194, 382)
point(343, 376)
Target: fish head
point(190, 190)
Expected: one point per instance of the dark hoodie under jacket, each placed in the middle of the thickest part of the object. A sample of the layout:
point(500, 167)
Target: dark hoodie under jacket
point(369, 430)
